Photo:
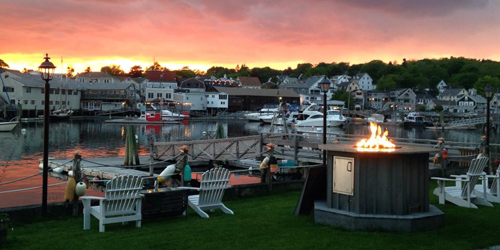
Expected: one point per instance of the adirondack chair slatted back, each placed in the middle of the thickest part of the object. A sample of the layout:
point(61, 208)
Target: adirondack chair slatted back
point(212, 186)
point(476, 167)
point(494, 183)
point(122, 193)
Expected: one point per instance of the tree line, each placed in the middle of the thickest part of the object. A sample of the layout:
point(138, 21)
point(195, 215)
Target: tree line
point(416, 74)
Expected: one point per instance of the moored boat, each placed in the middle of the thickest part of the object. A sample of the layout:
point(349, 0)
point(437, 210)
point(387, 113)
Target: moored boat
point(8, 126)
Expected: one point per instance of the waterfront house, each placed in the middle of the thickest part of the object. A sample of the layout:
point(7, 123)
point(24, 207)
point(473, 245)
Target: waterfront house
point(98, 96)
point(364, 81)
point(401, 99)
point(248, 82)
point(159, 85)
point(441, 86)
point(452, 94)
point(495, 103)
point(349, 86)
point(240, 99)
point(433, 103)
point(423, 98)
point(219, 82)
point(308, 89)
point(27, 90)
point(96, 77)
point(470, 103)
point(375, 99)
point(191, 92)
point(217, 102)
point(269, 85)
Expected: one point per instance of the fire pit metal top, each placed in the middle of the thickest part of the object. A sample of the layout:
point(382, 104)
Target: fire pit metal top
point(403, 149)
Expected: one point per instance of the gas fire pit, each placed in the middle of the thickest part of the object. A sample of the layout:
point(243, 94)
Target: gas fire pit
point(377, 187)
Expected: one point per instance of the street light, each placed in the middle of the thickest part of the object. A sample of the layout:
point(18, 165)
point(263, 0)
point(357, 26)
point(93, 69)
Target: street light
point(46, 70)
point(325, 86)
point(487, 92)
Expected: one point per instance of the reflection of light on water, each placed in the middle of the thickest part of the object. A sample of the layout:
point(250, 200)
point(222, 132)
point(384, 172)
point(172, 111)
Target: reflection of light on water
point(123, 131)
point(234, 179)
point(187, 132)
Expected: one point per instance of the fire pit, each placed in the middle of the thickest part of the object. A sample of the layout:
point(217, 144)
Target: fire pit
point(377, 186)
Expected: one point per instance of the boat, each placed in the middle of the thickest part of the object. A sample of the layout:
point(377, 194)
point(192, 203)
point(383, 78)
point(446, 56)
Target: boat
point(333, 119)
point(257, 116)
point(61, 114)
point(416, 119)
point(376, 118)
point(8, 126)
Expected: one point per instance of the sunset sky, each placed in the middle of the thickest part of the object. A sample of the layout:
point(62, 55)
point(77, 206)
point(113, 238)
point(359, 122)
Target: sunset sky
point(275, 33)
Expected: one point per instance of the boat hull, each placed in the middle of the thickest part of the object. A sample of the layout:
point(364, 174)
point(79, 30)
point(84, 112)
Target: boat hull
point(7, 126)
point(319, 123)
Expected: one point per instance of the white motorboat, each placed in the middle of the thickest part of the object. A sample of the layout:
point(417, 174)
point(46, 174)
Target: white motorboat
point(333, 119)
point(257, 116)
point(169, 115)
point(8, 126)
point(61, 114)
point(376, 118)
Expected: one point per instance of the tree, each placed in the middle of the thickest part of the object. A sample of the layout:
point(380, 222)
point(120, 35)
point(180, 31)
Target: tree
point(438, 108)
point(87, 70)
point(387, 82)
point(343, 96)
point(482, 82)
point(374, 69)
point(135, 71)
point(70, 72)
point(113, 70)
point(156, 67)
point(3, 65)
point(421, 108)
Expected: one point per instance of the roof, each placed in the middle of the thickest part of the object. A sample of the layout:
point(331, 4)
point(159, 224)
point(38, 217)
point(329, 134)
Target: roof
point(476, 98)
point(160, 76)
point(442, 103)
point(34, 80)
point(249, 81)
point(94, 74)
point(451, 92)
point(258, 92)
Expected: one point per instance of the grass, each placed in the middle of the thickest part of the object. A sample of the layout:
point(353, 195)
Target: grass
point(265, 222)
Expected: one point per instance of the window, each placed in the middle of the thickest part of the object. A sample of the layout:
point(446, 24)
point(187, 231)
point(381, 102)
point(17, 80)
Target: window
point(70, 92)
point(63, 102)
point(32, 102)
point(43, 102)
point(222, 102)
point(223, 97)
point(51, 102)
point(213, 96)
point(63, 91)
point(106, 80)
point(68, 102)
point(76, 92)
point(201, 98)
point(150, 95)
point(57, 102)
point(13, 101)
point(43, 90)
point(51, 91)
point(159, 95)
point(168, 95)
point(8, 89)
point(57, 91)
point(28, 89)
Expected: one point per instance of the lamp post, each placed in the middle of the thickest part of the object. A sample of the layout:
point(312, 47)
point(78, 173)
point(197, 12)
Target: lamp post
point(46, 72)
point(325, 86)
point(487, 92)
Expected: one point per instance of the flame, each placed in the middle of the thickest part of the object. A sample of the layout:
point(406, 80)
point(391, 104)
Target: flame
point(377, 142)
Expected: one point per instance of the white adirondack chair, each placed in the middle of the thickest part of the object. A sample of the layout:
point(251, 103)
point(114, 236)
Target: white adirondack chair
point(462, 193)
point(212, 186)
point(122, 203)
point(491, 193)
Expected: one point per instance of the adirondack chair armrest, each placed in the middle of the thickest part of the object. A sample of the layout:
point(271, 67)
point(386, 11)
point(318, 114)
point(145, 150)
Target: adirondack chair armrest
point(458, 176)
point(92, 198)
point(482, 174)
point(442, 179)
point(190, 188)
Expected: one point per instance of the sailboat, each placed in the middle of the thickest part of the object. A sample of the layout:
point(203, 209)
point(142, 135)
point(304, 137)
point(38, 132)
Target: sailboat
point(7, 126)
point(63, 113)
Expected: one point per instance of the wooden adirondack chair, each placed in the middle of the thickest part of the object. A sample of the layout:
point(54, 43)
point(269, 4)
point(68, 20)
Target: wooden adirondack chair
point(212, 186)
point(491, 193)
point(122, 203)
point(462, 193)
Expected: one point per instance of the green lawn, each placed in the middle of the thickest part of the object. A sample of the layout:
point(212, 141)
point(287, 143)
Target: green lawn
point(265, 222)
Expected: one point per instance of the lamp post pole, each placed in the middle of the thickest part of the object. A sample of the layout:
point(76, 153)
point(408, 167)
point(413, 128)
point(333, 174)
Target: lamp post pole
point(325, 86)
point(47, 72)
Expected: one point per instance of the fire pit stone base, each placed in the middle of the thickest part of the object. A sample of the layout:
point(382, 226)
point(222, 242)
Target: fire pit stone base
point(354, 221)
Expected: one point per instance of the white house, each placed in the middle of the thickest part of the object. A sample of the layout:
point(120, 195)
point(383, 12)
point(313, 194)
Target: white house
point(96, 77)
point(452, 94)
point(159, 85)
point(441, 86)
point(192, 92)
point(364, 80)
point(217, 102)
point(28, 91)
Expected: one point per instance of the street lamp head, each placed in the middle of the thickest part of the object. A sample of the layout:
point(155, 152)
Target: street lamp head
point(324, 84)
point(487, 91)
point(47, 69)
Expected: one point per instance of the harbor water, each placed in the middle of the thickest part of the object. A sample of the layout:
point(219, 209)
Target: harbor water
point(21, 149)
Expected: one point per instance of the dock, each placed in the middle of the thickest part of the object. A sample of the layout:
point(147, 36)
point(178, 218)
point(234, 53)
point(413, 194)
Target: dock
point(105, 168)
point(137, 121)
